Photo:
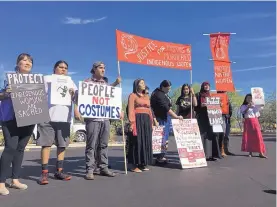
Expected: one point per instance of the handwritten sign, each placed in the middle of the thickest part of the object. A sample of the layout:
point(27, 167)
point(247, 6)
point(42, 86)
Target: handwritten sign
point(29, 98)
point(189, 143)
point(157, 140)
point(60, 85)
point(224, 101)
point(258, 96)
point(139, 50)
point(214, 110)
point(99, 101)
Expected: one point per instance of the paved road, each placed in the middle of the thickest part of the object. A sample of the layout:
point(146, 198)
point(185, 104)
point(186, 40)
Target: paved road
point(235, 181)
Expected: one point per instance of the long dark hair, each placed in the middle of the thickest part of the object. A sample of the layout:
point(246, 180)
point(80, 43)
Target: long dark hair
point(245, 101)
point(182, 90)
point(58, 63)
point(136, 84)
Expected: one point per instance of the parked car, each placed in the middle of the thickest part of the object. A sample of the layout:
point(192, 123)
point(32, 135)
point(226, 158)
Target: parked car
point(119, 129)
point(79, 130)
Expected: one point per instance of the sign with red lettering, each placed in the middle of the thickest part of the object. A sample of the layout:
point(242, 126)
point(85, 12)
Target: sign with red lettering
point(99, 101)
point(258, 96)
point(157, 140)
point(138, 50)
point(223, 76)
point(189, 143)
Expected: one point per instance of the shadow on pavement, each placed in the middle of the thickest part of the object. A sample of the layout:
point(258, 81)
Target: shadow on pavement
point(269, 139)
point(270, 191)
point(74, 166)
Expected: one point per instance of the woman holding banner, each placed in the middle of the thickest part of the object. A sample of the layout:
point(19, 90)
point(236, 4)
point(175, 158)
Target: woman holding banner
point(252, 140)
point(141, 121)
point(58, 129)
point(16, 138)
point(185, 107)
point(161, 105)
point(209, 139)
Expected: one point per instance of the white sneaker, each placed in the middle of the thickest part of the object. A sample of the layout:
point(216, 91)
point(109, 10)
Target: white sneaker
point(4, 191)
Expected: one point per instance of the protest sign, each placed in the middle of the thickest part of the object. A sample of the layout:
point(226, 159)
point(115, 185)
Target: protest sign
point(189, 143)
point(99, 101)
point(60, 85)
point(29, 98)
point(258, 96)
point(219, 45)
point(157, 139)
point(214, 113)
point(224, 101)
point(139, 50)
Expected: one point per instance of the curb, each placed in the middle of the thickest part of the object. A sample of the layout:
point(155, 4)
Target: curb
point(34, 146)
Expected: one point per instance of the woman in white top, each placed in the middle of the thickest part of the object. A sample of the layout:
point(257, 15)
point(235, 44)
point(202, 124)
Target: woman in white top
point(252, 140)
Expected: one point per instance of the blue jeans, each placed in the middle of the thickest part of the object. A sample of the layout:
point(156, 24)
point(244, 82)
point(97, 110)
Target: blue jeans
point(166, 124)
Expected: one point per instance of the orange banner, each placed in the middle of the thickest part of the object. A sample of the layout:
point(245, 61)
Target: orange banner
point(219, 44)
point(138, 50)
point(224, 100)
point(223, 76)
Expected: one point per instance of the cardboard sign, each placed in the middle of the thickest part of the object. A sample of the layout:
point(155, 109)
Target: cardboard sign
point(215, 113)
point(60, 85)
point(258, 96)
point(99, 101)
point(139, 50)
point(29, 98)
point(224, 101)
point(157, 140)
point(189, 143)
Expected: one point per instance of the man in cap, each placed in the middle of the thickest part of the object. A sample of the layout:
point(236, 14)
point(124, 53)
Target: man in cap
point(98, 131)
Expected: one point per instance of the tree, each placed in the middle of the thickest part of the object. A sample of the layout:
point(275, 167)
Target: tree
point(268, 114)
point(236, 100)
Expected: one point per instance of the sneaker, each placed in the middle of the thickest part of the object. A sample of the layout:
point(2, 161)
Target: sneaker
point(4, 191)
point(107, 173)
point(60, 175)
point(19, 186)
point(89, 176)
point(43, 178)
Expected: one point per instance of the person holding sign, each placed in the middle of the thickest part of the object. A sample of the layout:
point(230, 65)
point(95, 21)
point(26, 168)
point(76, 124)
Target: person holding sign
point(98, 132)
point(57, 131)
point(141, 121)
point(161, 105)
point(226, 115)
point(252, 139)
point(16, 138)
point(185, 107)
point(209, 140)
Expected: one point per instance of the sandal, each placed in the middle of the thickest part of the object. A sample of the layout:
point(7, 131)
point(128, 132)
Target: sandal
point(136, 170)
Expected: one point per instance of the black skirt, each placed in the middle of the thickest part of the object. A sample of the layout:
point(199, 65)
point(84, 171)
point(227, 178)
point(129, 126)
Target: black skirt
point(140, 146)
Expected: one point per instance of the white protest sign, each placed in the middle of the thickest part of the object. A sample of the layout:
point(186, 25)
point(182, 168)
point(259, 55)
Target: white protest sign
point(60, 85)
point(99, 101)
point(258, 96)
point(157, 139)
point(189, 143)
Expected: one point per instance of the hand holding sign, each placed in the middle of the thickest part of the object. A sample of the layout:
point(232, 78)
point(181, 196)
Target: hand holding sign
point(9, 89)
point(71, 92)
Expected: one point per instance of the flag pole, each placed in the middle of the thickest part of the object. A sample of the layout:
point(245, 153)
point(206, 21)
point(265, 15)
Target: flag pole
point(123, 128)
point(122, 119)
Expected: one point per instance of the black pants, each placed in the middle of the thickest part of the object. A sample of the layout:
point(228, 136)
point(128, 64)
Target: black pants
point(16, 139)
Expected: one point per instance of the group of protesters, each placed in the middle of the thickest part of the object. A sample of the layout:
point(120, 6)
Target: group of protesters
point(144, 111)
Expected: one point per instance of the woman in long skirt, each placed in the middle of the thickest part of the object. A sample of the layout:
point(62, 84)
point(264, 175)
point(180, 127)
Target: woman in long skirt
point(252, 140)
point(141, 121)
